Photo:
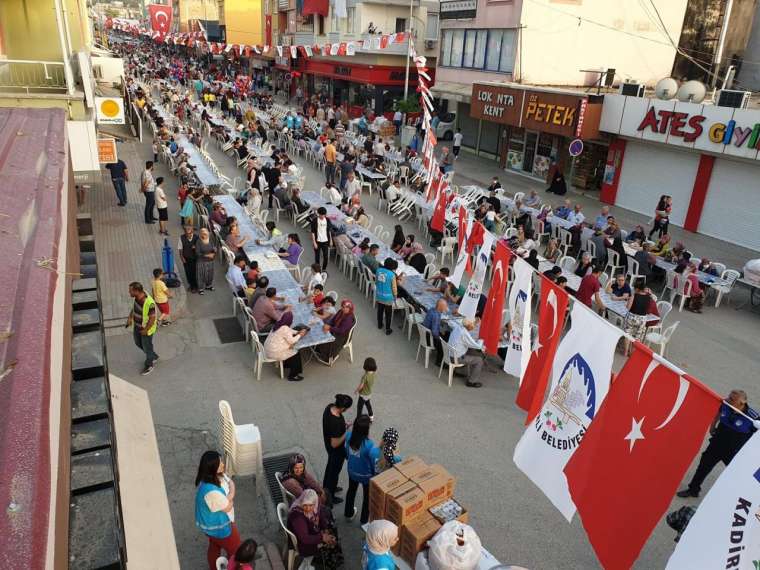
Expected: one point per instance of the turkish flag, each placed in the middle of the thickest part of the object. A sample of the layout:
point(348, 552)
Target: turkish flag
point(490, 325)
point(551, 319)
point(160, 18)
point(634, 454)
point(438, 220)
point(400, 37)
point(319, 7)
point(461, 225)
point(384, 41)
point(476, 237)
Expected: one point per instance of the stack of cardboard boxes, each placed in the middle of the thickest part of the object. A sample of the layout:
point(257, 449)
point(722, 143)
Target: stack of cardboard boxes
point(403, 496)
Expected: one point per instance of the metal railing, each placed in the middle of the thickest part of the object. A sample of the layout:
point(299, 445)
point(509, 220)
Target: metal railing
point(32, 76)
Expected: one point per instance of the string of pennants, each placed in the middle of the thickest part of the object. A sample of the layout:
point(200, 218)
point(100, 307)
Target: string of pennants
point(200, 39)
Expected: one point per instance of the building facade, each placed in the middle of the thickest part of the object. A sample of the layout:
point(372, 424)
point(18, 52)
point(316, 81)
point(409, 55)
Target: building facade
point(545, 43)
point(705, 156)
point(244, 21)
point(374, 77)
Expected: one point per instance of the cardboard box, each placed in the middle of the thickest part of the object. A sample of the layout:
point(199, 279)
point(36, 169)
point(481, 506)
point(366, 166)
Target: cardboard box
point(414, 536)
point(379, 487)
point(437, 483)
point(379, 510)
point(403, 508)
point(411, 466)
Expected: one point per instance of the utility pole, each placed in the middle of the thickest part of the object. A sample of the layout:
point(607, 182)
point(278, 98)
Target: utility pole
point(409, 48)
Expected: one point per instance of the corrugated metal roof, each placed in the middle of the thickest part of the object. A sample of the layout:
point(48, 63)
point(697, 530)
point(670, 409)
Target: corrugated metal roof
point(33, 177)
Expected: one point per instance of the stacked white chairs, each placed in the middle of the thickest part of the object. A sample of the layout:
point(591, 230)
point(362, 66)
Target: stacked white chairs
point(241, 445)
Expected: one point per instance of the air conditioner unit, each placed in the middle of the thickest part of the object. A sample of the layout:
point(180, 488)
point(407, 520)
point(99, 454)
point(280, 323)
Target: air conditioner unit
point(731, 98)
point(429, 44)
point(632, 89)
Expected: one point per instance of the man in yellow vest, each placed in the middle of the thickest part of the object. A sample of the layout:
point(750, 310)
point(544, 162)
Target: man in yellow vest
point(144, 318)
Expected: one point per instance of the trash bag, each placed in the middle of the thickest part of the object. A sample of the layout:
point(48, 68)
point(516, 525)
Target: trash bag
point(752, 271)
point(455, 546)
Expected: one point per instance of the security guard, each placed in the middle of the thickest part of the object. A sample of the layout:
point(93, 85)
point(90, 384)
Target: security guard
point(144, 318)
point(729, 432)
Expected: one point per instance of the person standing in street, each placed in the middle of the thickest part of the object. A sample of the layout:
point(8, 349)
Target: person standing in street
point(728, 433)
point(334, 428)
point(148, 187)
point(144, 318)
point(321, 236)
point(187, 245)
point(331, 155)
point(458, 137)
point(162, 205)
point(119, 179)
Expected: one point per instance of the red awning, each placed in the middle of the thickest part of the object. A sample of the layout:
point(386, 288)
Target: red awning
point(318, 7)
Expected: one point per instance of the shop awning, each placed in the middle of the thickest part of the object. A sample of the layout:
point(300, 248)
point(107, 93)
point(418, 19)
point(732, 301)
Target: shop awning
point(459, 92)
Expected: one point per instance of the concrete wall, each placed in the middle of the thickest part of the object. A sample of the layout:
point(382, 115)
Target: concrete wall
point(749, 75)
point(556, 46)
point(196, 10)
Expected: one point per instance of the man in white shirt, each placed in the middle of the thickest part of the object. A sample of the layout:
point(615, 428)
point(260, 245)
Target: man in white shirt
point(393, 192)
point(321, 236)
point(458, 136)
point(468, 351)
point(397, 119)
point(532, 200)
point(353, 186)
point(148, 187)
point(379, 147)
point(235, 276)
point(576, 217)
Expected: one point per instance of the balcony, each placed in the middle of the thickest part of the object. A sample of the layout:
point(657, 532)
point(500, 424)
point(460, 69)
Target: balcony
point(25, 76)
point(391, 49)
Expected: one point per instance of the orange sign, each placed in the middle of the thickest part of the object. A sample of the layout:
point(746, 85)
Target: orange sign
point(107, 151)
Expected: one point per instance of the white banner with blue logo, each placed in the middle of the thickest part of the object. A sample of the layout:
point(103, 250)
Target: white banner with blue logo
point(469, 304)
point(580, 381)
point(461, 265)
point(725, 530)
point(519, 311)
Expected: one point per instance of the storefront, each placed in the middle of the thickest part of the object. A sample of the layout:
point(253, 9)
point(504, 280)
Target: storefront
point(528, 130)
point(705, 157)
point(358, 85)
point(282, 77)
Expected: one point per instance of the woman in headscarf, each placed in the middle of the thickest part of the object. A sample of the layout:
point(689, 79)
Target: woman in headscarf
point(339, 326)
point(279, 346)
point(382, 535)
point(314, 529)
point(416, 257)
point(296, 479)
point(389, 447)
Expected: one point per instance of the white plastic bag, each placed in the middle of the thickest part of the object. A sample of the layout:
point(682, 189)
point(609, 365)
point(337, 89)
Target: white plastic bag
point(752, 271)
point(455, 546)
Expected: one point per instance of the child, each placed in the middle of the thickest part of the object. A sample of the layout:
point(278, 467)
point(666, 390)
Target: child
point(253, 271)
point(162, 205)
point(155, 151)
point(364, 390)
point(161, 295)
point(316, 295)
point(312, 278)
point(326, 308)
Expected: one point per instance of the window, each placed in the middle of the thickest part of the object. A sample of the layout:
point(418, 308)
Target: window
point(489, 50)
point(431, 27)
point(400, 25)
point(345, 25)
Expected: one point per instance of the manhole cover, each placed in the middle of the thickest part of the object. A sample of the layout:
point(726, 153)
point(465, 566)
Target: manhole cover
point(229, 330)
point(272, 465)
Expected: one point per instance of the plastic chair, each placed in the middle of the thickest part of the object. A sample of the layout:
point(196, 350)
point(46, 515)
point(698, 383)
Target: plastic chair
point(430, 257)
point(290, 548)
point(241, 445)
point(613, 262)
point(411, 318)
point(429, 270)
point(567, 263)
point(729, 275)
point(287, 495)
point(664, 308)
point(261, 358)
point(449, 360)
point(683, 289)
point(426, 342)
point(661, 339)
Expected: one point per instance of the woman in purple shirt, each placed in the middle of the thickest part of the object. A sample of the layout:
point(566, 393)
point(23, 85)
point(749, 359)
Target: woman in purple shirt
point(292, 253)
point(339, 325)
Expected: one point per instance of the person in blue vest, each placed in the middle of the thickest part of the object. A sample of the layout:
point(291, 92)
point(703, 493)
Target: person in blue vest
point(362, 454)
point(385, 293)
point(382, 535)
point(215, 509)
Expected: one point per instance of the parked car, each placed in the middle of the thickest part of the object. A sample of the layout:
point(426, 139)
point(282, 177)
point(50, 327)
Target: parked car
point(446, 126)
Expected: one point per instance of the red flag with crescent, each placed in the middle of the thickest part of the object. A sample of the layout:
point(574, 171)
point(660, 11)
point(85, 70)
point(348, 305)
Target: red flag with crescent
point(551, 319)
point(636, 452)
point(461, 225)
point(490, 325)
point(160, 18)
point(438, 220)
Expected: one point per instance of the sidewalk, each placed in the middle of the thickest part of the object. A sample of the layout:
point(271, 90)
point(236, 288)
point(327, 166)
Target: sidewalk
point(471, 169)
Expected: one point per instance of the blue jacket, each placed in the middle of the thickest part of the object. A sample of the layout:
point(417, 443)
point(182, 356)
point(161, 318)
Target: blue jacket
point(372, 561)
point(384, 285)
point(216, 524)
point(361, 462)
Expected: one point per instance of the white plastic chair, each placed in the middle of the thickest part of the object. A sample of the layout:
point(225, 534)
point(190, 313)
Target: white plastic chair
point(671, 277)
point(426, 342)
point(449, 360)
point(261, 358)
point(287, 495)
point(729, 275)
point(661, 339)
point(567, 263)
point(411, 318)
point(683, 289)
point(241, 445)
point(290, 548)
